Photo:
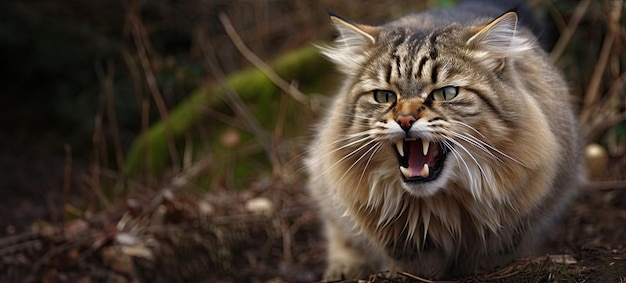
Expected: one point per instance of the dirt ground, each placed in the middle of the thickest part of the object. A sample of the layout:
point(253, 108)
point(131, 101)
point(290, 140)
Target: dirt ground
point(589, 245)
point(271, 234)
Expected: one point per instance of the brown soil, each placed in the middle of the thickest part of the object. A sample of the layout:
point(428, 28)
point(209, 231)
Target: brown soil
point(174, 236)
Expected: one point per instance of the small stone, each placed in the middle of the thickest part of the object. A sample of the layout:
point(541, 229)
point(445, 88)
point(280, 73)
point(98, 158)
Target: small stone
point(260, 205)
point(597, 160)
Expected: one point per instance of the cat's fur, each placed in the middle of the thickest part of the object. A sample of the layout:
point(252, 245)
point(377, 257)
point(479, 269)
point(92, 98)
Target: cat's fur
point(505, 131)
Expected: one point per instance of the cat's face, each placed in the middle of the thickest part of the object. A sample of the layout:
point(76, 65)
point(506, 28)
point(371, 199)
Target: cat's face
point(433, 101)
point(432, 128)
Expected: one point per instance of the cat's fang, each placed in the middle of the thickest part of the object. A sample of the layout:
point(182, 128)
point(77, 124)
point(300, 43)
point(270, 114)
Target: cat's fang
point(406, 172)
point(400, 147)
point(425, 145)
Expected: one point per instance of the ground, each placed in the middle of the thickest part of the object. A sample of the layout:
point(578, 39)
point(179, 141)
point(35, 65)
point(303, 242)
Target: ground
point(271, 234)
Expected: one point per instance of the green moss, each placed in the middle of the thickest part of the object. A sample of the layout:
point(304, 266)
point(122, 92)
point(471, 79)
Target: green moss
point(149, 153)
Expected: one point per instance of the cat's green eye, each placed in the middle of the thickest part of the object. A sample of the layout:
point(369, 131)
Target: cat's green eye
point(384, 96)
point(445, 93)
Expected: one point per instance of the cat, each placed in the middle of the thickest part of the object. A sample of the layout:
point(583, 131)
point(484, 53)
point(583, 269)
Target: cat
point(449, 148)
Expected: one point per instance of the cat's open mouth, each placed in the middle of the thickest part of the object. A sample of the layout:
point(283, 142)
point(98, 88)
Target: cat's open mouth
point(420, 160)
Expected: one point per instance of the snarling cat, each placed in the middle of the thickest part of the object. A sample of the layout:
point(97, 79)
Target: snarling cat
point(449, 148)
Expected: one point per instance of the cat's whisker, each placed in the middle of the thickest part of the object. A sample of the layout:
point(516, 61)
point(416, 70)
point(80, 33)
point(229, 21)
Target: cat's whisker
point(348, 137)
point(352, 136)
point(474, 184)
point(496, 150)
point(371, 150)
point(365, 135)
point(468, 126)
point(328, 153)
point(348, 155)
point(486, 147)
point(460, 160)
point(378, 147)
point(352, 143)
point(477, 143)
point(482, 170)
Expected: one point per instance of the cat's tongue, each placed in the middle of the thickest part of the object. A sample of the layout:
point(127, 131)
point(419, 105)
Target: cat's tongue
point(419, 157)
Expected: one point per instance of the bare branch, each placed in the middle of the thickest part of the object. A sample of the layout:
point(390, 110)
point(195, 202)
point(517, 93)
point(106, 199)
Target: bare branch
point(569, 31)
point(256, 61)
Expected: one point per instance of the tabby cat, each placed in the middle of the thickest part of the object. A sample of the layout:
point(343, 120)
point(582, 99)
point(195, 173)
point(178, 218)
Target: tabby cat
point(449, 148)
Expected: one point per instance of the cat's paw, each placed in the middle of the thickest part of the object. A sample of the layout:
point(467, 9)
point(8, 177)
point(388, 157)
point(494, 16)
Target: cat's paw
point(343, 272)
point(347, 267)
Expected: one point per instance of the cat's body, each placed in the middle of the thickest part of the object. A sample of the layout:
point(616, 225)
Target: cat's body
point(449, 148)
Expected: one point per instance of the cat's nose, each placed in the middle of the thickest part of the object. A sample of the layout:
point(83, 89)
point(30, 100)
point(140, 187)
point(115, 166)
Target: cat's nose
point(405, 121)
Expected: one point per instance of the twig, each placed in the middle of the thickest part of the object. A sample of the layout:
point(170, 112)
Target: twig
point(593, 90)
point(145, 125)
point(190, 173)
point(141, 40)
point(415, 277)
point(541, 266)
point(567, 34)
point(507, 272)
point(286, 87)
point(557, 18)
point(592, 93)
point(107, 88)
point(263, 67)
point(249, 217)
point(67, 180)
point(277, 163)
point(15, 239)
point(618, 85)
point(600, 125)
point(250, 123)
point(607, 185)
point(116, 175)
point(133, 71)
point(97, 140)
point(73, 242)
point(94, 183)
point(32, 244)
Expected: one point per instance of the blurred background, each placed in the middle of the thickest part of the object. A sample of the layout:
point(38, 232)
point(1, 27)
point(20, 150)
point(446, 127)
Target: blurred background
point(162, 140)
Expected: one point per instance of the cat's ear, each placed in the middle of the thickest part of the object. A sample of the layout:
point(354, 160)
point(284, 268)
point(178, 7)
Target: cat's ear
point(351, 45)
point(499, 39)
point(354, 35)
